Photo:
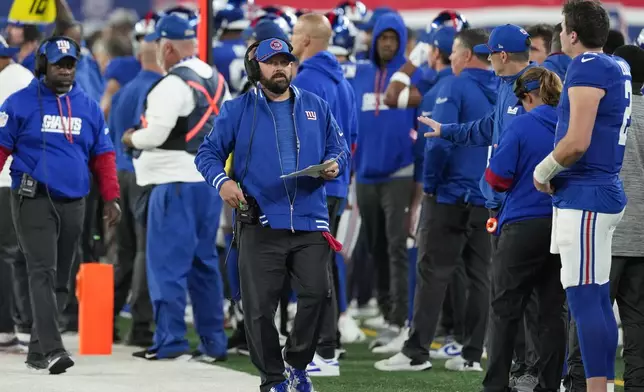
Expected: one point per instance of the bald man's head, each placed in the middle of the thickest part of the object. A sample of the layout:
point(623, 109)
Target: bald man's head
point(311, 34)
point(148, 54)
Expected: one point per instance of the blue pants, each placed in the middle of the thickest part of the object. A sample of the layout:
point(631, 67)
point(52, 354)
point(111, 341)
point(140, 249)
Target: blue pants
point(183, 219)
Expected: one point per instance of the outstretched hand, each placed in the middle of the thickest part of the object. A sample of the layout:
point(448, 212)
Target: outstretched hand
point(433, 125)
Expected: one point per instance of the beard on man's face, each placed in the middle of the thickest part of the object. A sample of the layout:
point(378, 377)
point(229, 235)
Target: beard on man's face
point(277, 84)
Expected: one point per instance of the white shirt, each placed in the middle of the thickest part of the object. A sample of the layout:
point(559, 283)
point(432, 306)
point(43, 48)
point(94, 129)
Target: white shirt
point(170, 99)
point(13, 78)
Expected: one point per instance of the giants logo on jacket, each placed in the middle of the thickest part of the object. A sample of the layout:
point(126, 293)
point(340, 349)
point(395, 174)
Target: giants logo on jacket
point(57, 124)
point(370, 101)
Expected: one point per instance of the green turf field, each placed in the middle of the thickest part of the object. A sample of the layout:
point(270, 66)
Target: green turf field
point(359, 375)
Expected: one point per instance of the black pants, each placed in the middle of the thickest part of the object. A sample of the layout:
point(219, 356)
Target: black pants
point(129, 270)
point(626, 286)
point(48, 234)
point(360, 271)
point(525, 352)
point(384, 209)
point(266, 258)
point(523, 264)
point(15, 306)
point(329, 332)
point(448, 235)
point(454, 310)
point(526, 357)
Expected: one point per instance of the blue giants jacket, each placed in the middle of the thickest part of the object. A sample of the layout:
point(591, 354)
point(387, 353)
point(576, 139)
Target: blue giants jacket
point(323, 76)
point(557, 63)
point(386, 137)
point(527, 140)
point(488, 130)
point(318, 138)
point(453, 172)
point(70, 128)
point(127, 108)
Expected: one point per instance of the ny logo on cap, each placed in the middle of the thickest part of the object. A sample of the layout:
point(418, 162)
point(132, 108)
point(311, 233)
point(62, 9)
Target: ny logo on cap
point(276, 45)
point(63, 46)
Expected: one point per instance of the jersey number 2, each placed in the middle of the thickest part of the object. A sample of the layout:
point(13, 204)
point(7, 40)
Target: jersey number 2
point(627, 113)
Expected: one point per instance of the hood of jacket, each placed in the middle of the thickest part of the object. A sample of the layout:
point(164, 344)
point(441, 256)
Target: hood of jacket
point(547, 115)
point(558, 63)
point(391, 21)
point(325, 63)
point(486, 80)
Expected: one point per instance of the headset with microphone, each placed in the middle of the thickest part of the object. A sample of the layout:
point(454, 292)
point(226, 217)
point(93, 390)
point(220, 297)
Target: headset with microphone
point(252, 65)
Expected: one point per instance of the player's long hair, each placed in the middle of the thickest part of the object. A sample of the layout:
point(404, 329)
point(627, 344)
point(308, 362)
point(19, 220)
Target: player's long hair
point(549, 84)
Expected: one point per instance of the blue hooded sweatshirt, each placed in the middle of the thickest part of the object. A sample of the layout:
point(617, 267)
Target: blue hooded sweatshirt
point(527, 141)
point(488, 130)
point(557, 63)
point(453, 172)
point(386, 136)
point(88, 76)
point(249, 118)
point(323, 76)
point(35, 118)
point(127, 108)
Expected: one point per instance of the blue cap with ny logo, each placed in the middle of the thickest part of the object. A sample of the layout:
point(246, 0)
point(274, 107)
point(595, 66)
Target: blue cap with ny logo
point(508, 38)
point(58, 49)
point(172, 27)
point(272, 46)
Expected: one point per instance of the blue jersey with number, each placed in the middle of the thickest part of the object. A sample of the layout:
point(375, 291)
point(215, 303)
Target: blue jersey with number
point(228, 57)
point(592, 183)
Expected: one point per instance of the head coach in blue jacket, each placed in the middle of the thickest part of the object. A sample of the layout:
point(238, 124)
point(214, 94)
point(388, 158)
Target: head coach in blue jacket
point(56, 134)
point(282, 223)
point(320, 73)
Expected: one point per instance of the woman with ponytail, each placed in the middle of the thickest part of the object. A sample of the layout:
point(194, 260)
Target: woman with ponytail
point(523, 262)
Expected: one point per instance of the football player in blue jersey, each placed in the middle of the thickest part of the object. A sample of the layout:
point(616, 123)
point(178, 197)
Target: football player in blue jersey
point(582, 174)
point(229, 48)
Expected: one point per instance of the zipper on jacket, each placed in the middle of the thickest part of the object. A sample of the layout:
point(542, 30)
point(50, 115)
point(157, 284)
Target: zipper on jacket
point(297, 161)
point(279, 157)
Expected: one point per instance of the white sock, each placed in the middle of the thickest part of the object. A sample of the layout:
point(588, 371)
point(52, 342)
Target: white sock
point(610, 387)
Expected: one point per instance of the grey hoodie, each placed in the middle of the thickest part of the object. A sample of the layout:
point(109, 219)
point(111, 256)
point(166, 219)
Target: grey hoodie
point(628, 239)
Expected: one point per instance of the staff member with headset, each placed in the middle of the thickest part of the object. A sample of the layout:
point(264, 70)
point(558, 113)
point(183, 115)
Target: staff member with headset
point(183, 213)
point(282, 226)
point(56, 135)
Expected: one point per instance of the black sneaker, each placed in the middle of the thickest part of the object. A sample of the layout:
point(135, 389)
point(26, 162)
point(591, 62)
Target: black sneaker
point(151, 355)
point(237, 343)
point(36, 361)
point(58, 361)
point(198, 356)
